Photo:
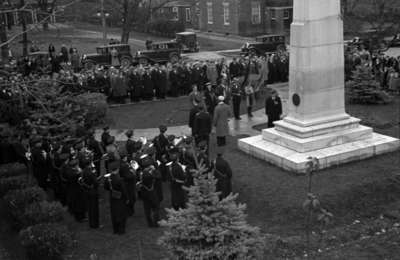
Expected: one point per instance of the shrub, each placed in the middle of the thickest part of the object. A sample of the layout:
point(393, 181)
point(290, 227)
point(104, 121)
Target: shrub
point(95, 105)
point(14, 183)
point(41, 212)
point(45, 241)
point(18, 200)
point(364, 89)
point(12, 169)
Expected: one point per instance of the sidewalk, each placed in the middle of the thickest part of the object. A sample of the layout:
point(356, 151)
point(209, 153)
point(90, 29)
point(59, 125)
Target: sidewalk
point(237, 127)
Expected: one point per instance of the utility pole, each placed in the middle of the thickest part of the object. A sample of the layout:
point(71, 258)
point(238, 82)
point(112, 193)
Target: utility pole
point(24, 29)
point(103, 21)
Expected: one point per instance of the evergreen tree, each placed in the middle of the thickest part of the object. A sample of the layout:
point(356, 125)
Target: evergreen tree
point(209, 228)
point(364, 88)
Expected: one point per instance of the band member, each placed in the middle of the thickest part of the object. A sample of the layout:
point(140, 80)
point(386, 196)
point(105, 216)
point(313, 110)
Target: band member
point(128, 175)
point(223, 174)
point(118, 198)
point(90, 185)
point(177, 180)
point(148, 194)
point(75, 195)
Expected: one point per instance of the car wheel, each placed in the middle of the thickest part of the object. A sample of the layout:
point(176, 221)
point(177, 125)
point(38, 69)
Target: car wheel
point(89, 65)
point(143, 61)
point(125, 62)
point(174, 58)
point(253, 52)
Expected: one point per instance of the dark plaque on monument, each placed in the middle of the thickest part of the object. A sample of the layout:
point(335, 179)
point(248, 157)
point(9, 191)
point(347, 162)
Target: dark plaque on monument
point(296, 100)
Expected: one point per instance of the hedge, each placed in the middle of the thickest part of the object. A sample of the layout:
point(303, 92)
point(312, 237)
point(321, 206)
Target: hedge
point(45, 241)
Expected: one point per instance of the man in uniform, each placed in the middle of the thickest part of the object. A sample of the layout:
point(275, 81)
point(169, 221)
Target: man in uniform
point(273, 108)
point(223, 174)
point(202, 126)
point(118, 198)
point(128, 175)
point(90, 184)
point(148, 194)
point(236, 98)
point(177, 180)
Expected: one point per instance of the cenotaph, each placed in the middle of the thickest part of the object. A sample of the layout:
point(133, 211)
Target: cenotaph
point(317, 124)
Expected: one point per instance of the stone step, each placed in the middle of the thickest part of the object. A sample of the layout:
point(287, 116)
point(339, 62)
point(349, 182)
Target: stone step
point(296, 162)
point(317, 142)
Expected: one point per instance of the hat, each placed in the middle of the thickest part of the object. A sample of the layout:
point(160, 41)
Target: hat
point(188, 139)
point(202, 145)
point(171, 138)
point(113, 166)
point(150, 150)
point(129, 133)
point(73, 163)
point(162, 128)
point(221, 98)
point(64, 156)
point(123, 154)
point(106, 128)
point(146, 162)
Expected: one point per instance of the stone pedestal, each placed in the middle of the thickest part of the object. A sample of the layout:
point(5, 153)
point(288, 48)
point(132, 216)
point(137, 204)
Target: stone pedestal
point(317, 124)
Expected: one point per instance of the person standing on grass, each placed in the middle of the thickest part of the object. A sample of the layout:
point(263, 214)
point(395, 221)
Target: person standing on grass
point(128, 175)
point(222, 114)
point(223, 173)
point(273, 108)
point(249, 91)
point(118, 198)
point(90, 184)
point(202, 126)
point(177, 179)
point(236, 93)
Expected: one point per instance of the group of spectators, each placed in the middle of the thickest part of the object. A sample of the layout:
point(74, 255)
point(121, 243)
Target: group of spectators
point(154, 81)
point(384, 68)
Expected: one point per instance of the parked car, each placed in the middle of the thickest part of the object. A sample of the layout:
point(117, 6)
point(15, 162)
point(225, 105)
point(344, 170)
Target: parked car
point(103, 56)
point(159, 52)
point(395, 42)
point(265, 44)
point(188, 41)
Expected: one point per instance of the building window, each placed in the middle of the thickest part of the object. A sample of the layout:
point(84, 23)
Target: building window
point(188, 15)
point(273, 14)
point(226, 13)
point(210, 18)
point(286, 14)
point(255, 12)
point(175, 13)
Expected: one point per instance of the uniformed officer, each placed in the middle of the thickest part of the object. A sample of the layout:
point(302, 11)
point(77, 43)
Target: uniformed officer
point(236, 98)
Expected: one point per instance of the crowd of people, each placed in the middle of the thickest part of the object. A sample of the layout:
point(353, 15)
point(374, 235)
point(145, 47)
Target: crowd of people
point(75, 168)
point(154, 81)
point(385, 69)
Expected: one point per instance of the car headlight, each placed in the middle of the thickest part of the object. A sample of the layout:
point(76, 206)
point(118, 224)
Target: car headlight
point(84, 57)
point(138, 53)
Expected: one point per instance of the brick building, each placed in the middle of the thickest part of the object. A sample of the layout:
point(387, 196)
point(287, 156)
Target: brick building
point(183, 11)
point(246, 17)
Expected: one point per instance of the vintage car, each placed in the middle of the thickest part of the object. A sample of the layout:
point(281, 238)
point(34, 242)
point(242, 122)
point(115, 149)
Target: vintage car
point(187, 41)
point(395, 42)
point(265, 44)
point(103, 56)
point(159, 52)
point(371, 43)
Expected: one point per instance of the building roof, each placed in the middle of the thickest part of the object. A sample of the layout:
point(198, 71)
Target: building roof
point(179, 3)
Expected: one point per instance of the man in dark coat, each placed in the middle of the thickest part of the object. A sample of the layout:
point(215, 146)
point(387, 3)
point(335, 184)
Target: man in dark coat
point(148, 194)
point(192, 115)
point(90, 184)
point(97, 149)
point(40, 163)
point(135, 86)
point(202, 126)
point(148, 86)
point(273, 108)
point(177, 180)
point(105, 136)
point(236, 98)
point(234, 68)
point(128, 175)
point(118, 198)
point(75, 195)
point(174, 82)
point(223, 174)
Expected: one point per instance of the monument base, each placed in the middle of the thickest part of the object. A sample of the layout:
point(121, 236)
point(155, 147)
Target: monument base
point(292, 160)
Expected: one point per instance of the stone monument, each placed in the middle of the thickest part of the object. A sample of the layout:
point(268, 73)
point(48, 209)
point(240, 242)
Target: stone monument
point(317, 124)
